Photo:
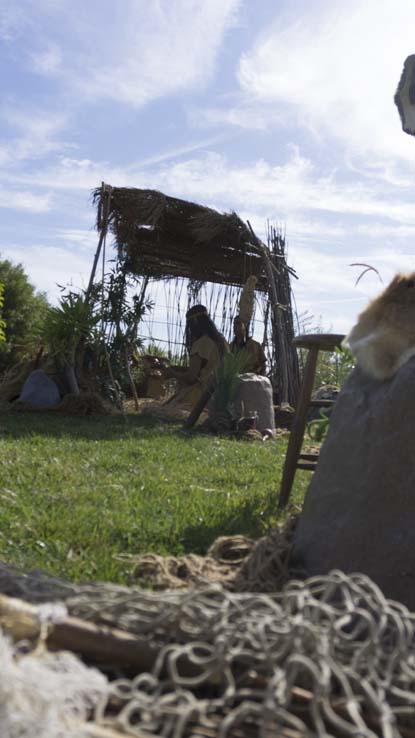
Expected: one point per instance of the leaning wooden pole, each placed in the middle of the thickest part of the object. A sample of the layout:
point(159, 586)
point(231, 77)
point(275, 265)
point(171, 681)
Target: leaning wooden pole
point(103, 227)
point(131, 378)
point(276, 315)
point(276, 246)
point(200, 405)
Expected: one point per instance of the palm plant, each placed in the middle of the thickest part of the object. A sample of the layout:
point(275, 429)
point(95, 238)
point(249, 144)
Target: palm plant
point(227, 381)
point(74, 320)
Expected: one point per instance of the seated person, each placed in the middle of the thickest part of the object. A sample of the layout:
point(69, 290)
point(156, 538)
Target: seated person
point(254, 359)
point(206, 346)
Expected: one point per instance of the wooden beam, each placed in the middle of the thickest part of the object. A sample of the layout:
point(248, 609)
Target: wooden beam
point(104, 228)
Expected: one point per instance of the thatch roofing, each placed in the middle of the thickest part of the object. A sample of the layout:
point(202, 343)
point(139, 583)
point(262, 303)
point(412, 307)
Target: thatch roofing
point(163, 237)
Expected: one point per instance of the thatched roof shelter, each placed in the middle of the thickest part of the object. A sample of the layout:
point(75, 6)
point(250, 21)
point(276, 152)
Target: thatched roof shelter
point(166, 238)
point(163, 237)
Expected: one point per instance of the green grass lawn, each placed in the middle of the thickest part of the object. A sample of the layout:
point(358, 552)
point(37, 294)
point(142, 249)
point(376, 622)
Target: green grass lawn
point(74, 492)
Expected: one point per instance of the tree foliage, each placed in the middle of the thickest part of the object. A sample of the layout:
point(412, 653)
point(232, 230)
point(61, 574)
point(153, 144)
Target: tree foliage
point(88, 330)
point(2, 322)
point(333, 367)
point(65, 325)
point(23, 311)
point(122, 304)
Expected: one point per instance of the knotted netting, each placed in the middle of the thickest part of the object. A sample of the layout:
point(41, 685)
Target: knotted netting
point(325, 656)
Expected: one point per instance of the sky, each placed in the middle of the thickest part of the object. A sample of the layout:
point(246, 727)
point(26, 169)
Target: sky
point(279, 110)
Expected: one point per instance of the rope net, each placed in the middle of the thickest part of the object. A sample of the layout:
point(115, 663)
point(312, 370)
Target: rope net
point(326, 657)
point(323, 656)
point(44, 694)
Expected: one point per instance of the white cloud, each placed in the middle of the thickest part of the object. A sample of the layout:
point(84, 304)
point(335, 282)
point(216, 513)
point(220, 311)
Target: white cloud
point(69, 173)
point(48, 60)
point(313, 229)
point(288, 191)
point(25, 200)
point(388, 231)
point(245, 115)
point(326, 285)
point(332, 71)
point(338, 67)
point(325, 289)
point(86, 240)
point(281, 191)
point(130, 52)
point(176, 152)
point(48, 265)
point(35, 134)
point(12, 20)
point(293, 194)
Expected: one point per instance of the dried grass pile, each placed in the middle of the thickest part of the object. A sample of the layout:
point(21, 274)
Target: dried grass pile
point(221, 564)
point(86, 403)
point(12, 382)
point(237, 562)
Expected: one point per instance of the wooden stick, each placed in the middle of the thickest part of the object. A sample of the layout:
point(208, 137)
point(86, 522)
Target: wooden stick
point(98, 643)
point(200, 405)
point(101, 643)
point(130, 377)
point(276, 314)
point(104, 189)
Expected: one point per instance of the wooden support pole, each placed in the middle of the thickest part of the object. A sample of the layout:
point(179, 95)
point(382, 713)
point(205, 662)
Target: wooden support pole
point(277, 329)
point(200, 405)
point(130, 377)
point(105, 189)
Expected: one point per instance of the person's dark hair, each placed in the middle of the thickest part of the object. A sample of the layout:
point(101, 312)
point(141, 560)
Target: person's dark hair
point(246, 333)
point(198, 323)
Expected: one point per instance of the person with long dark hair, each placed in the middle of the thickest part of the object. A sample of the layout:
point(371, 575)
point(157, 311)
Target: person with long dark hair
point(254, 359)
point(205, 346)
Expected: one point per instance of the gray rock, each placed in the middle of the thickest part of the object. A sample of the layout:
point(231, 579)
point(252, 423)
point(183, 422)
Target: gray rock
point(39, 390)
point(359, 510)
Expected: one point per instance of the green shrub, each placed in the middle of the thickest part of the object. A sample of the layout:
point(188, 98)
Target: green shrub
point(23, 311)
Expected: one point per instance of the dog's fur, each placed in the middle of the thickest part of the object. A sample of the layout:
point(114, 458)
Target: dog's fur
point(384, 336)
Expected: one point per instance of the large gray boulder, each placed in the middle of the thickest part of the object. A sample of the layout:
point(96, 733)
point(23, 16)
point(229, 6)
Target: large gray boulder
point(39, 390)
point(359, 510)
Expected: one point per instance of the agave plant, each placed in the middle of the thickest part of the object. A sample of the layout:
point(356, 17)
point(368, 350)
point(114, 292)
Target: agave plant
point(227, 380)
point(73, 320)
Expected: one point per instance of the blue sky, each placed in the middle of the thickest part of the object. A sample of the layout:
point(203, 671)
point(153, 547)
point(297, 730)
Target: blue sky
point(278, 110)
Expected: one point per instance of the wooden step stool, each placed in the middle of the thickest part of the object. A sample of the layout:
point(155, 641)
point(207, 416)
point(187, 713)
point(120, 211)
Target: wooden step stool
point(294, 459)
